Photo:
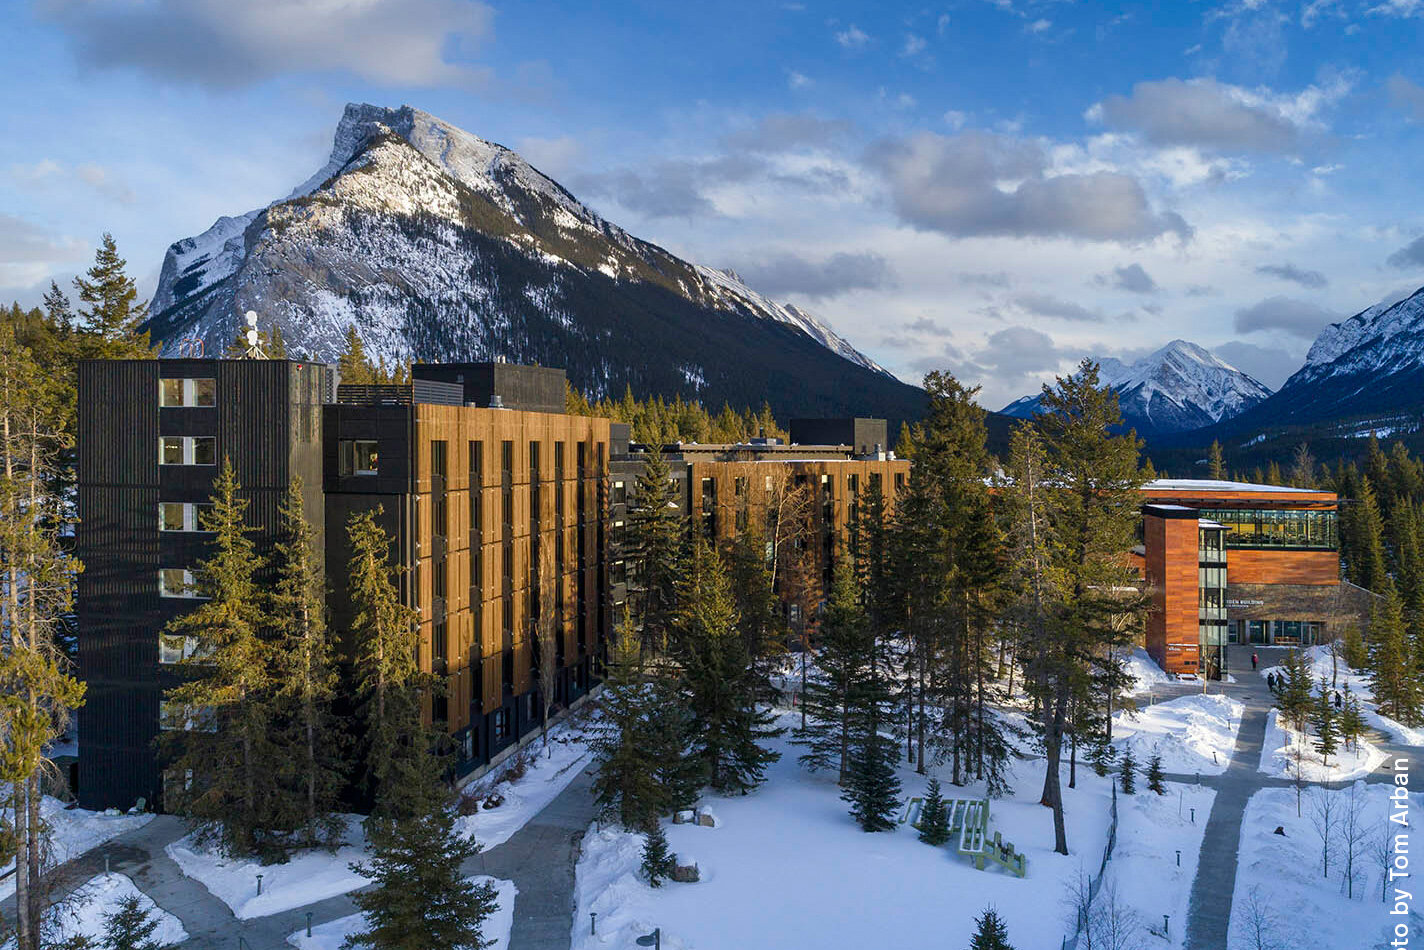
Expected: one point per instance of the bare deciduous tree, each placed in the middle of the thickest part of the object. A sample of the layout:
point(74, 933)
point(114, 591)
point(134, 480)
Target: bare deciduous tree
point(1113, 924)
point(1354, 834)
point(1259, 922)
point(1325, 819)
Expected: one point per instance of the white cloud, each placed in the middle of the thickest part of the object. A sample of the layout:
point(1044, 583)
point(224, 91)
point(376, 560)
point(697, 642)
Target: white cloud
point(797, 80)
point(914, 46)
point(222, 44)
point(48, 173)
point(955, 119)
point(853, 37)
point(1399, 8)
point(1039, 26)
point(29, 253)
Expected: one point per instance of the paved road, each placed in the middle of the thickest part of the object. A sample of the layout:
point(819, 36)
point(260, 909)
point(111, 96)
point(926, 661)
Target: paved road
point(539, 859)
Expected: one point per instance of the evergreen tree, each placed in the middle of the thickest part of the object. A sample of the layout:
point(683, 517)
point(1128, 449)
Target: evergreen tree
point(991, 933)
point(833, 700)
point(276, 346)
point(1156, 781)
point(658, 860)
point(1365, 555)
point(111, 313)
point(353, 365)
point(1127, 771)
point(640, 742)
point(1392, 675)
point(219, 720)
point(1352, 719)
point(718, 682)
point(872, 786)
point(1215, 469)
point(1091, 487)
point(653, 549)
point(307, 742)
point(130, 926)
point(395, 759)
point(421, 898)
point(1102, 757)
point(762, 626)
point(1293, 695)
point(934, 816)
point(1326, 725)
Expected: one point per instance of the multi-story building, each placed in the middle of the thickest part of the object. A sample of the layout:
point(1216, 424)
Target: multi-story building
point(475, 474)
point(723, 489)
point(1230, 562)
point(152, 437)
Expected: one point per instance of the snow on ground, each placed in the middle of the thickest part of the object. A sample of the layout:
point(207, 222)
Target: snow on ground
point(309, 877)
point(75, 832)
point(548, 773)
point(331, 936)
point(1278, 755)
point(1305, 909)
point(787, 867)
point(86, 914)
point(1193, 733)
point(1144, 671)
point(1333, 672)
point(1144, 869)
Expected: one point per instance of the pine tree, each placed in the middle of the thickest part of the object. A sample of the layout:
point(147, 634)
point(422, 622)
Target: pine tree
point(1352, 719)
point(934, 816)
point(421, 898)
point(653, 552)
point(833, 698)
point(718, 681)
point(658, 860)
point(1215, 469)
point(1102, 756)
point(1127, 771)
point(872, 786)
point(1326, 725)
point(395, 759)
point(307, 741)
point(130, 926)
point(111, 314)
point(1293, 695)
point(353, 365)
point(1365, 563)
point(1156, 781)
point(276, 345)
point(762, 626)
point(220, 719)
point(1392, 676)
point(639, 744)
point(991, 933)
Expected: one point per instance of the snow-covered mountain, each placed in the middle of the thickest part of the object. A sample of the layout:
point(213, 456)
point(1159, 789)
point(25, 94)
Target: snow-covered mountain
point(1178, 388)
point(438, 245)
point(1371, 365)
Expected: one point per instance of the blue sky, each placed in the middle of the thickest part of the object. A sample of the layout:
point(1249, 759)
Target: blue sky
point(996, 187)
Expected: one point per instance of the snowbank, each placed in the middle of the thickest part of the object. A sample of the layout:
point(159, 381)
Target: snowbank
point(1144, 672)
point(85, 914)
point(331, 936)
point(1303, 908)
point(1193, 733)
point(76, 831)
point(548, 773)
point(787, 867)
point(309, 877)
point(1144, 869)
point(1278, 755)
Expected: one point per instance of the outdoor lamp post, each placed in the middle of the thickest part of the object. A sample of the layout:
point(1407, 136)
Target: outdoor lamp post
point(259, 885)
point(592, 922)
point(309, 916)
point(654, 939)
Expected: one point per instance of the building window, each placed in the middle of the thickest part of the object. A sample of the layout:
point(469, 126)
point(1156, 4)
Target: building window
point(360, 456)
point(175, 649)
point(620, 493)
point(500, 725)
point(188, 450)
point(187, 392)
point(177, 582)
point(182, 516)
point(176, 717)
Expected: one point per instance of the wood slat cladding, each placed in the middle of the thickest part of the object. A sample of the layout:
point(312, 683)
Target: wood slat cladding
point(1247, 566)
point(264, 416)
point(471, 534)
point(1170, 573)
point(1226, 498)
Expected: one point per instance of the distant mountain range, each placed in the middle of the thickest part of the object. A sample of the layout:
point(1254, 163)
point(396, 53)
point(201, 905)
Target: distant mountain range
point(1179, 388)
point(438, 245)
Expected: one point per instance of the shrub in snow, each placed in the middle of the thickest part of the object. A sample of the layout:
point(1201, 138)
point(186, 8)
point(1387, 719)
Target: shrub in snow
point(494, 801)
point(1128, 772)
point(131, 926)
point(934, 816)
point(658, 861)
point(991, 933)
point(1102, 758)
point(1156, 781)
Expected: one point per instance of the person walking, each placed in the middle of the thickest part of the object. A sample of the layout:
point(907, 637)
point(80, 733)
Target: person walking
point(1253, 662)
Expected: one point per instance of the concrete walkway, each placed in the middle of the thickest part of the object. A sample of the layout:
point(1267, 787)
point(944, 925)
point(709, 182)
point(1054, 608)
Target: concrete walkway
point(539, 859)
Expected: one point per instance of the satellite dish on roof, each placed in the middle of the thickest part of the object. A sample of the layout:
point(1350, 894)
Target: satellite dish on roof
point(253, 338)
point(251, 317)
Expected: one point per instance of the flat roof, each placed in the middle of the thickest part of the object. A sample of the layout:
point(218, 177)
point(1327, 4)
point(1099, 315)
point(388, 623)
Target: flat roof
point(1212, 484)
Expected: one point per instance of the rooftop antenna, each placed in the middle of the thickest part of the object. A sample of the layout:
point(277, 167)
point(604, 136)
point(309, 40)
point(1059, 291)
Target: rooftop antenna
point(190, 347)
point(254, 349)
